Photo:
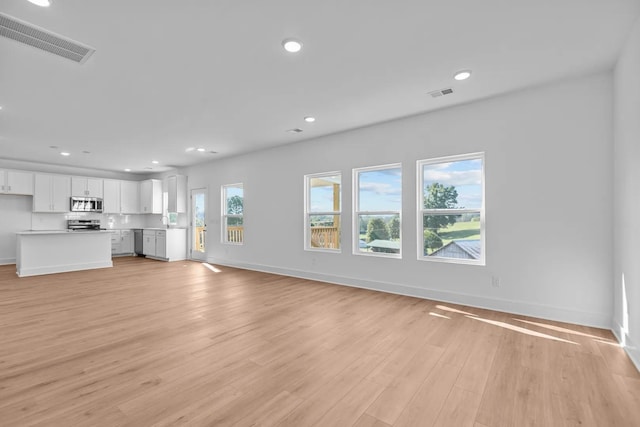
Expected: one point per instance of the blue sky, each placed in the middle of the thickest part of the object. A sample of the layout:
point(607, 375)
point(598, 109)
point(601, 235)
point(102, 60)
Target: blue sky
point(321, 198)
point(381, 190)
point(465, 175)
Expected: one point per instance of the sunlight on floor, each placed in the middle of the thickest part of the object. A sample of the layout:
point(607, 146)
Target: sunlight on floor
point(521, 330)
point(439, 315)
point(212, 268)
point(611, 343)
point(559, 329)
point(453, 310)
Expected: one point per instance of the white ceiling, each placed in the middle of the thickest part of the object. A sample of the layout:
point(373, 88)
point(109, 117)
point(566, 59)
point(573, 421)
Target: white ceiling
point(172, 75)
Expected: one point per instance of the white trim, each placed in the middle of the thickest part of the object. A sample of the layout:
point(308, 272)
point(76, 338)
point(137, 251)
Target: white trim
point(192, 225)
point(421, 211)
point(522, 308)
point(632, 350)
point(355, 195)
point(307, 212)
point(63, 268)
point(7, 261)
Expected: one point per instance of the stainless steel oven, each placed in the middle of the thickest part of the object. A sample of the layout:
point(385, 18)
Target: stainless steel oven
point(83, 224)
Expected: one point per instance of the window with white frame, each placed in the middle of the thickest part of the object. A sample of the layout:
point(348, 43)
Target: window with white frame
point(451, 209)
point(377, 204)
point(323, 211)
point(232, 214)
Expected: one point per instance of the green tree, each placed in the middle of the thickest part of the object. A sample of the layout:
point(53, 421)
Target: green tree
point(234, 205)
point(363, 225)
point(437, 196)
point(431, 241)
point(377, 230)
point(394, 227)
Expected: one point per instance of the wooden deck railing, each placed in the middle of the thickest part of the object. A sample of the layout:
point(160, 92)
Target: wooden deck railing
point(321, 237)
point(235, 234)
point(325, 237)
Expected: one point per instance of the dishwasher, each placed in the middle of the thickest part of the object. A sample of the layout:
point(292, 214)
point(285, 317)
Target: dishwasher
point(137, 242)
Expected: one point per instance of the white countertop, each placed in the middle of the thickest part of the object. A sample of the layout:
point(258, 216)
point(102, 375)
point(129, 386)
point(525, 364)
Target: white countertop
point(33, 232)
point(147, 228)
point(27, 232)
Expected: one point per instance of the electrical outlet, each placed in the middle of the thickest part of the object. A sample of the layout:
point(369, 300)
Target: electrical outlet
point(495, 281)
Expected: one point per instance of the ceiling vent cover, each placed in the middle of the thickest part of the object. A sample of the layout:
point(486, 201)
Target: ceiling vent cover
point(26, 33)
point(441, 92)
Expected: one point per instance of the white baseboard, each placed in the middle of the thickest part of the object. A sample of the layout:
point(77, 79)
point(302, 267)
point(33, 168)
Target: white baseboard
point(25, 272)
point(7, 261)
point(629, 346)
point(598, 320)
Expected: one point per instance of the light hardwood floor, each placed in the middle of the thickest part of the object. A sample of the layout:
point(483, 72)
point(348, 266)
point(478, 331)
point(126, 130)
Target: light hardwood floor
point(149, 343)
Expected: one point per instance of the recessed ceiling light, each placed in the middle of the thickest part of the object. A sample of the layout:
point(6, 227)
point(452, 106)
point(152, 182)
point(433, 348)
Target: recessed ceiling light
point(202, 150)
point(462, 75)
point(86, 152)
point(155, 162)
point(127, 170)
point(309, 119)
point(54, 147)
point(41, 3)
point(64, 153)
point(291, 45)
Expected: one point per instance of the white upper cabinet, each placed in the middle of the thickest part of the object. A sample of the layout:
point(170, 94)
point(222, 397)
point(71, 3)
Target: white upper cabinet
point(111, 198)
point(129, 197)
point(51, 193)
point(86, 187)
point(177, 193)
point(151, 196)
point(16, 182)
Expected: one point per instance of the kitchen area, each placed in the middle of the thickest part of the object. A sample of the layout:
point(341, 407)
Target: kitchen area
point(55, 223)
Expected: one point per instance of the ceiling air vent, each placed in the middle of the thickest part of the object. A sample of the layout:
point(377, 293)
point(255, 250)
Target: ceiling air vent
point(437, 93)
point(26, 33)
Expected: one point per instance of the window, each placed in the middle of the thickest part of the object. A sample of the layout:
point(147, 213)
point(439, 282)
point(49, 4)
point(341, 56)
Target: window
point(377, 210)
point(232, 214)
point(451, 209)
point(322, 211)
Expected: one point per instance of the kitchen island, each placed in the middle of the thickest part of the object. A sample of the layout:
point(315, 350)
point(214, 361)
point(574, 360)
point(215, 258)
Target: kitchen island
point(57, 251)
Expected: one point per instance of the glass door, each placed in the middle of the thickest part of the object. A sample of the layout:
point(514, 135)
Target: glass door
point(198, 223)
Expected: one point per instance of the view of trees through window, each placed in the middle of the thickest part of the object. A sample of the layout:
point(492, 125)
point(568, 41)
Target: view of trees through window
point(233, 213)
point(452, 208)
point(378, 207)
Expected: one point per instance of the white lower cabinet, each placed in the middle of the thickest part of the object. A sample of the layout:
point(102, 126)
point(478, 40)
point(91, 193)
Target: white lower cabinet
point(149, 242)
point(126, 241)
point(161, 244)
point(165, 245)
point(121, 242)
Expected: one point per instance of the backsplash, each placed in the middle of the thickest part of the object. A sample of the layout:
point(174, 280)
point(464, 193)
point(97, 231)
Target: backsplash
point(58, 221)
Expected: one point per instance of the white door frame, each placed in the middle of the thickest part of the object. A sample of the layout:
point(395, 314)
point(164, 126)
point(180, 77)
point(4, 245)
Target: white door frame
point(193, 254)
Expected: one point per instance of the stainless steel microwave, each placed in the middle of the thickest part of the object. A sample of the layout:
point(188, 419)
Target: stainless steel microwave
point(86, 204)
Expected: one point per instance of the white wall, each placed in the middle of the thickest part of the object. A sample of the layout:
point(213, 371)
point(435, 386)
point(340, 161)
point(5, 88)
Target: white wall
point(627, 196)
point(548, 195)
point(12, 219)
